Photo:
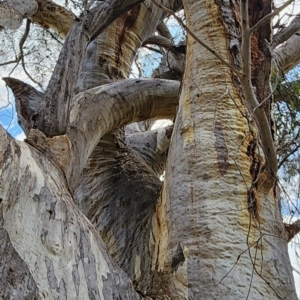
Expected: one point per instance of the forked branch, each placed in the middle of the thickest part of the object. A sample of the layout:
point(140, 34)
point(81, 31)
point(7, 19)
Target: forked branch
point(103, 109)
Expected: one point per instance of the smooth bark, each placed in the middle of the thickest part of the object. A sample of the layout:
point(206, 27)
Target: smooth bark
point(215, 195)
point(211, 230)
point(59, 252)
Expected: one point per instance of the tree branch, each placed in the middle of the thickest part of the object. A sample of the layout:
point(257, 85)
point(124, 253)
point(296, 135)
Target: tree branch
point(151, 146)
point(101, 110)
point(114, 176)
point(287, 56)
point(160, 41)
point(62, 85)
point(54, 16)
point(270, 15)
point(249, 94)
point(164, 31)
point(286, 32)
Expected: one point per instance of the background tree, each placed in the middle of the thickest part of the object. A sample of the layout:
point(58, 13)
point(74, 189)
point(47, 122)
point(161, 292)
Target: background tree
point(83, 212)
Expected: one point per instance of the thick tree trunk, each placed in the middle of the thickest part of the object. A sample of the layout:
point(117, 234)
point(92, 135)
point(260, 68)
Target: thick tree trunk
point(49, 249)
point(215, 231)
point(217, 226)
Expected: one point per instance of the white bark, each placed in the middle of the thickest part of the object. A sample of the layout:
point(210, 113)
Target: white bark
point(287, 56)
point(100, 110)
point(216, 230)
point(9, 18)
point(62, 252)
point(217, 226)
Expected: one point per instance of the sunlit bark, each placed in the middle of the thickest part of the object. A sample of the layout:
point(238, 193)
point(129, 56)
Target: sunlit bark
point(213, 230)
point(59, 253)
point(215, 195)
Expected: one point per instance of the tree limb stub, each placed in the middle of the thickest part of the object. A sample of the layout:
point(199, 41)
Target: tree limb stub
point(28, 102)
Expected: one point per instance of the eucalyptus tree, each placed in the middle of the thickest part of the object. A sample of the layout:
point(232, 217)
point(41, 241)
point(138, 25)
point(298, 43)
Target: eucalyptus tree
point(84, 214)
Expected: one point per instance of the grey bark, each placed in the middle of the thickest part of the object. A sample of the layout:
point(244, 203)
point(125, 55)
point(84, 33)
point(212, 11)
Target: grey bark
point(60, 250)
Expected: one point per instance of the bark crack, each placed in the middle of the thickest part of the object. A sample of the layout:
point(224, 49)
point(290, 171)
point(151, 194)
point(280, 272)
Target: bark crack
point(221, 148)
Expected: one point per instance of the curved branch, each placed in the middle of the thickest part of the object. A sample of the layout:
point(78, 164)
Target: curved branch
point(62, 84)
point(160, 41)
point(166, 43)
point(100, 110)
point(42, 12)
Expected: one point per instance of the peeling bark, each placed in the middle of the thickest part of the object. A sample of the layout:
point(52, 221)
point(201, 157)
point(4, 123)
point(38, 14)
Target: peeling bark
point(16, 280)
point(204, 202)
point(117, 191)
point(62, 251)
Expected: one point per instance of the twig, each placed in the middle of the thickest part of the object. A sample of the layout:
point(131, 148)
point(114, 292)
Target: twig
point(9, 62)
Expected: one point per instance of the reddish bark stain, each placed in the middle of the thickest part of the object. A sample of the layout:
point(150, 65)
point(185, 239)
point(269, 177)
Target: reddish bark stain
point(128, 21)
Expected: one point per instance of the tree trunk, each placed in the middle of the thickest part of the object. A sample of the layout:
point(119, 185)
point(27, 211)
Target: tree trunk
point(211, 230)
point(217, 225)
